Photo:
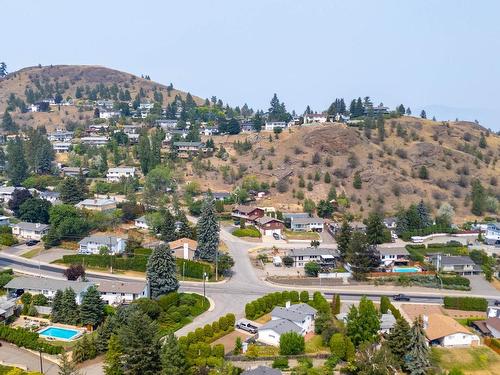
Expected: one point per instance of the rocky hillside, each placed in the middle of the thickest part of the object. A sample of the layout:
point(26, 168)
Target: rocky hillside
point(390, 170)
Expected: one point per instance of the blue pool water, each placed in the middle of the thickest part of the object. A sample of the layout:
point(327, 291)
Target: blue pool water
point(405, 269)
point(59, 333)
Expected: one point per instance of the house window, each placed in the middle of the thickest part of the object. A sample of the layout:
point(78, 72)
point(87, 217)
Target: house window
point(301, 258)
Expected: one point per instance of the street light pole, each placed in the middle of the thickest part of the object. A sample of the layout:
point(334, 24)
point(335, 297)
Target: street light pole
point(41, 361)
point(204, 277)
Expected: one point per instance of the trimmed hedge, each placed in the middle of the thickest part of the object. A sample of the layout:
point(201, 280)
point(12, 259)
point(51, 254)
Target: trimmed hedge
point(138, 263)
point(210, 332)
point(466, 303)
point(249, 231)
point(406, 236)
point(26, 339)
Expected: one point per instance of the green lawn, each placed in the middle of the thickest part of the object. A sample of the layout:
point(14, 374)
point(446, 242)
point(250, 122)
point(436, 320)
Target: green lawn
point(315, 345)
point(290, 235)
point(32, 253)
point(4, 370)
point(479, 360)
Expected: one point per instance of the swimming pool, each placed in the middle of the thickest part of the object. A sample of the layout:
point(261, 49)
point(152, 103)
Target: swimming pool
point(406, 269)
point(59, 333)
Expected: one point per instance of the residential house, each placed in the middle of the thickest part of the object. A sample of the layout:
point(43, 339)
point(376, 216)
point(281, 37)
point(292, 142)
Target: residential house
point(115, 292)
point(315, 117)
point(220, 195)
point(105, 103)
point(271, 125)
point(390, 222)
point(183, 248)
point(185, 149)
point(109, 114)
point(7, 308)
point(492, 234)
point(47, 287)
point(387, 322)
point(289, 216)
point(95, 140)
point(393, 256)
point(325, 257)
point(141, 223)
point(247, 213)
point(6, 193)
point(297, 318)
point(209, 131)
point(133, 138)
point(116, 174)
point(371, 110)
point(462, 265)
point(445, 331)
point(30, 231)
point(61, 147)
point(4, 220)
point(167, 124)
point(307, 224)
point(489, 327)
point(60, 136)
point(51, 196)
point(131, 129)
point(97, 204)
point(493, 312)
point(97, 128)
point(180, 133)
point(262, 370)
point(73, 171)
point(269, 225)
point(247, 127)
point(93, 244)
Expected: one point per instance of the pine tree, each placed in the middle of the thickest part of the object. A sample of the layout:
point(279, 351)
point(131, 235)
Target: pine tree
point(17, 168)
point(140, 345)
point(144, 153)
point(56, 313)
point(92, 307)
point(67, 367)
point(423, 214)
point(3, 69)
point(7, 123)
point(343, 238)
point(72, 190)
point(357, 182)
point(417, 358)
point(478, 197)
point(381, 129)
point(384, 304)
point(172, 356)
point(69, 308)
point(112, 362)
point(361, 256)
point(185, 230)
point(161, 272)
point(104, 332)
point(167, 227)
point(399, 339)
point(375, 229)
point(208, 231)
point(363, 322)
point(423, 114)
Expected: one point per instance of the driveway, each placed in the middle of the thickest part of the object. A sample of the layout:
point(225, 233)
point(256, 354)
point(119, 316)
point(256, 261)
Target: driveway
point(479, 285)
point(11, 354)
point(48, 256)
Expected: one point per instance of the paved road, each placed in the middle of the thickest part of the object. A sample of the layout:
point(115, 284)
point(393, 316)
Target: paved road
point(11, 354)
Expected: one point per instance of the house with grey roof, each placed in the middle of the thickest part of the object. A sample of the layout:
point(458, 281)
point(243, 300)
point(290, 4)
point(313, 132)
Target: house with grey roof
point(297, 318)
point(30, 231)
point(48, 287)
point(387, 322)
point(307, 224)
point(7, 307)
point(116, 292)
point(393, 256)
point(262, 370)
point(323, 256)
point(99, 204)
point(94, 244)
point(462, 265)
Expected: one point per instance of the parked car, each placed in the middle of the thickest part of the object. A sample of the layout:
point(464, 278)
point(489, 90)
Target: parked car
point(32, 242)
point(246, 326)
point(276, 236)
point(497, 302)
point(401, 297)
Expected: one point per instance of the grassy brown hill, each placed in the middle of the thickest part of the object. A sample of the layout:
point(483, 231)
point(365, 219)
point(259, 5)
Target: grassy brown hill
point(389, 169)
point(68, 78)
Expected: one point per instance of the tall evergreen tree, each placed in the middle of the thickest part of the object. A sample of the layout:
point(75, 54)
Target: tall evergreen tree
point(167, 227)
point(140, 345)
point(185, 230)
point(417, 358)
point(361, 256)
point(399, 339)
point(144, 153)
point(66, 366)
point(3, 69)
point(7, 123)
point(39, 152)
point(161, 272)
point(56, 313)
point(363, 322)
point(208, 231)
point(343, 238)
point(92, 307)
point(478, 196)
point(375, 228)
point(17, 168)
point(172, 356)
point(423, 214)
point(112, 362)
point(69, 308)
point(72, 190)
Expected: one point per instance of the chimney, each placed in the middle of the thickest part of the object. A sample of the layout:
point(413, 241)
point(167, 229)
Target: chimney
point(186, 250)
point(287, 304)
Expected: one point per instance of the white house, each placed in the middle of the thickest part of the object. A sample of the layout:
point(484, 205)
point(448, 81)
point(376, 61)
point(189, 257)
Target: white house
point(51, 196)
point(6, 193)
point(315, 117)
point(7, 307)
point(93, 244)
point(30, 231)
point(48, 287)
point(60, 136)
point(141, 223)
point(4, 220)
point(387, 322)
point(101, 204)
point(109, 114)
point(271, 125)
point(325, 257)
point(307, 224)
point(61, 147)
point(115, 174)
point(492, 235)
point(118, 292)
point(95, 140)
point(297, 318)
point(393, 256)
point(445, 331)
point(463, 265)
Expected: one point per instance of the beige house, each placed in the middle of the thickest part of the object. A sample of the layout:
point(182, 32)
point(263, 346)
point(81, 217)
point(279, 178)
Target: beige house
point(184, 248)
point(97, 204)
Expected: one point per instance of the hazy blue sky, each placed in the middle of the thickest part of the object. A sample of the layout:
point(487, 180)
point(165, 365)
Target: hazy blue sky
point(441, 55)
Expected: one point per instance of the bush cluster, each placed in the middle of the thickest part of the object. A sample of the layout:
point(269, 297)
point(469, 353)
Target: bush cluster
point(466, 303)
point(249, 231)
point(265, 304)
point(26, 339)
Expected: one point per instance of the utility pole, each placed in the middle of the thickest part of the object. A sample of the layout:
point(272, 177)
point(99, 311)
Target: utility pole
point(111, 254)
point(41, 361)
point(204, 278)
point(217, 265)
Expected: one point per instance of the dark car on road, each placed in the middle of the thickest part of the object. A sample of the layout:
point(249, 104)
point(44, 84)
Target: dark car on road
point(400, 297)
point(497, 302)
point(31, 242)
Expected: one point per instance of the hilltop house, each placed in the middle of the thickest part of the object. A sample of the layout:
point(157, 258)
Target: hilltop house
point(60, 136)
point(47, 287)
point(315, 117)
point(30, 231)
point(95, 140)
point(307, 224)
point(445, 331)
point(141, 223)
point(297, 318)
point(51, 196)
point(394, 256)
point(247, 213)
point(93, 244)
point(186, 149)
point(6, 193)
point(61, 147)
point(325, 257)
point(462, 265)
point(116, 174)
point(271, 125)
point(183, 248)
point(492, 235)
point(269, 225)
point(115, 292)
point(73, 171)
point(100, 205)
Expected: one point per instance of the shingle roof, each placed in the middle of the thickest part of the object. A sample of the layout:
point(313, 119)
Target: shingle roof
point(387, 321)
point(31, 226)
point(311, 251)
point(105, 286)
point(303, 308)
point(194, 144)
point(294, 216)
point(104, 240)
point(192, 244)
point(96, 202)
point(121, 169)
point(456, 260)
point(245, 209)
point(493, 323)
point(306, 220)
point(266, 219)
point(442, 325)
point(281, 326)
point(393, 251)
point(262, 370)
point(40, 283)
